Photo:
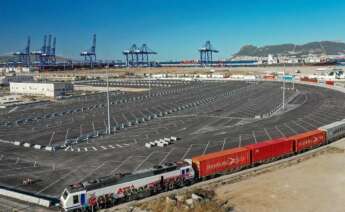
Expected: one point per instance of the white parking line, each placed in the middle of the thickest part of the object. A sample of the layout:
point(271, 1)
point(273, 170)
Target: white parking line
point(223, 144)
point(315, 120)
point(121, 164)
point(239, 141)
point(268, 135)
point(187, 151)
point(308, 123)
point(85, 149)
point(78, 149)
point(94, 148)
point(166, 156)
point(208, 143)
point(91, 172)
point(103, 147)
point(281, 132)
point(301, 126)
point(67, 148)
point(290, 128)
point(56, 181)
point(13, 109)
point(118, 145)
point(140, 164)
point(111, 146)
point(253, 133)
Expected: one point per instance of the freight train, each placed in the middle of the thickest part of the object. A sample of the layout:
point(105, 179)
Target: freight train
point(109, 191)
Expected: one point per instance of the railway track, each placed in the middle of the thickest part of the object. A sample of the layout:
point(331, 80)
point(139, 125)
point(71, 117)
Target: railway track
point(238, 176)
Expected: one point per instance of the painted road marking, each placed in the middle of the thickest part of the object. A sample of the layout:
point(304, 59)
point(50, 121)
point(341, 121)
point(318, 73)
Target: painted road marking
point(56, 181)
point(103, 147)
point(291, 129)
point(118, 145)
point(301, 126)
point(111, 146)
point(187, 151)
point(253, 133)
point(121, 164)
point(281, 132)
point(208, 143)
point(309, 124)
point(94, 148)
point(140, 164)
point(223, 144)
point(166, 156)
point(86, 149)
point(93, 171)
point(268, 135)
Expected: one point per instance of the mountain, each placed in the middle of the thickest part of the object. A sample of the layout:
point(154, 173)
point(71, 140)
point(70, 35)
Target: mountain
point(323, 47)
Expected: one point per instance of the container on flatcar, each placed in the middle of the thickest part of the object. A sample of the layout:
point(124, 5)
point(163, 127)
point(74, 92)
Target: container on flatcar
point(329, 82)
point(334, 130)
point(269, 150)
point(221, 162)
point(308, 140)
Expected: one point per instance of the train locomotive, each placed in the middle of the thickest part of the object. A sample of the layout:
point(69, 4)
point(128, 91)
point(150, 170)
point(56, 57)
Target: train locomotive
point(109, 191)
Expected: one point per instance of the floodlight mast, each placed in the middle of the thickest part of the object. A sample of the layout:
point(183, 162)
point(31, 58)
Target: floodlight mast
point(108, 102)
point(284, 88)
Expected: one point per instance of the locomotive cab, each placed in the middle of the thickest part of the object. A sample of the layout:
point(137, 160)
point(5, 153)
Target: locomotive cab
point(72, 200)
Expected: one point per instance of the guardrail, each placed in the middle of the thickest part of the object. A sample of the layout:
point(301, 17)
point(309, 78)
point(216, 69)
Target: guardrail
point(29, 197)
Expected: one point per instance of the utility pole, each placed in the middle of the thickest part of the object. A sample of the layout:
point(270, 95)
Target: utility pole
point(284, 88)
point(108, 103)
point(149, 82)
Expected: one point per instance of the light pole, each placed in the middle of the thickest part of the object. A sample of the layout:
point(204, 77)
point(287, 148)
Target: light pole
point(149, 81)
point(284, 88)
point(108, 103)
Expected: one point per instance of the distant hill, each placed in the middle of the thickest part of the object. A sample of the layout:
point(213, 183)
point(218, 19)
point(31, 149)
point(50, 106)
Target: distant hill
point(323, 47)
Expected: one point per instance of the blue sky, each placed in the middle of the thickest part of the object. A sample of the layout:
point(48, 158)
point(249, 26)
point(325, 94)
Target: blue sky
point(175, 28)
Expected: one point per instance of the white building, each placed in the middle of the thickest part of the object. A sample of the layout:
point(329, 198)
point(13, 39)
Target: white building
point(5, 80)
point(15, 69)
point(40, 89)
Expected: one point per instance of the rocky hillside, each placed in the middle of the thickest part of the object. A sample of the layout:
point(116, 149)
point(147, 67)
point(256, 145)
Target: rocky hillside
point(323, 47)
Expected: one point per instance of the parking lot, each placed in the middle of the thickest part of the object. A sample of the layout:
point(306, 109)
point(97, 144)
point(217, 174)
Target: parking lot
point(205, 116)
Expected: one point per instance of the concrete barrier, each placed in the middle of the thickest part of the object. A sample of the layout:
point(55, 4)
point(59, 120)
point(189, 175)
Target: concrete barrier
point(27, 197)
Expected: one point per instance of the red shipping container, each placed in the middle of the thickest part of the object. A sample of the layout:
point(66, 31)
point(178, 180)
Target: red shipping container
point(308, 140)
point(217, 162)
point(307, 79)
point(269, 150)
point(269, 77)
point(330, 82)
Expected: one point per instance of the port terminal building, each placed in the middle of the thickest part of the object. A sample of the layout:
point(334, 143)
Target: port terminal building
point(48, 89)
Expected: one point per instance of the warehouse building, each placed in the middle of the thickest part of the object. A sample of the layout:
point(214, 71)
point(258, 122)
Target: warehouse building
point(5, 80)
point(40, 89)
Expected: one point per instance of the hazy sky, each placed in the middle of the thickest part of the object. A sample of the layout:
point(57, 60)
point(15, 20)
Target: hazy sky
point(173, 28)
